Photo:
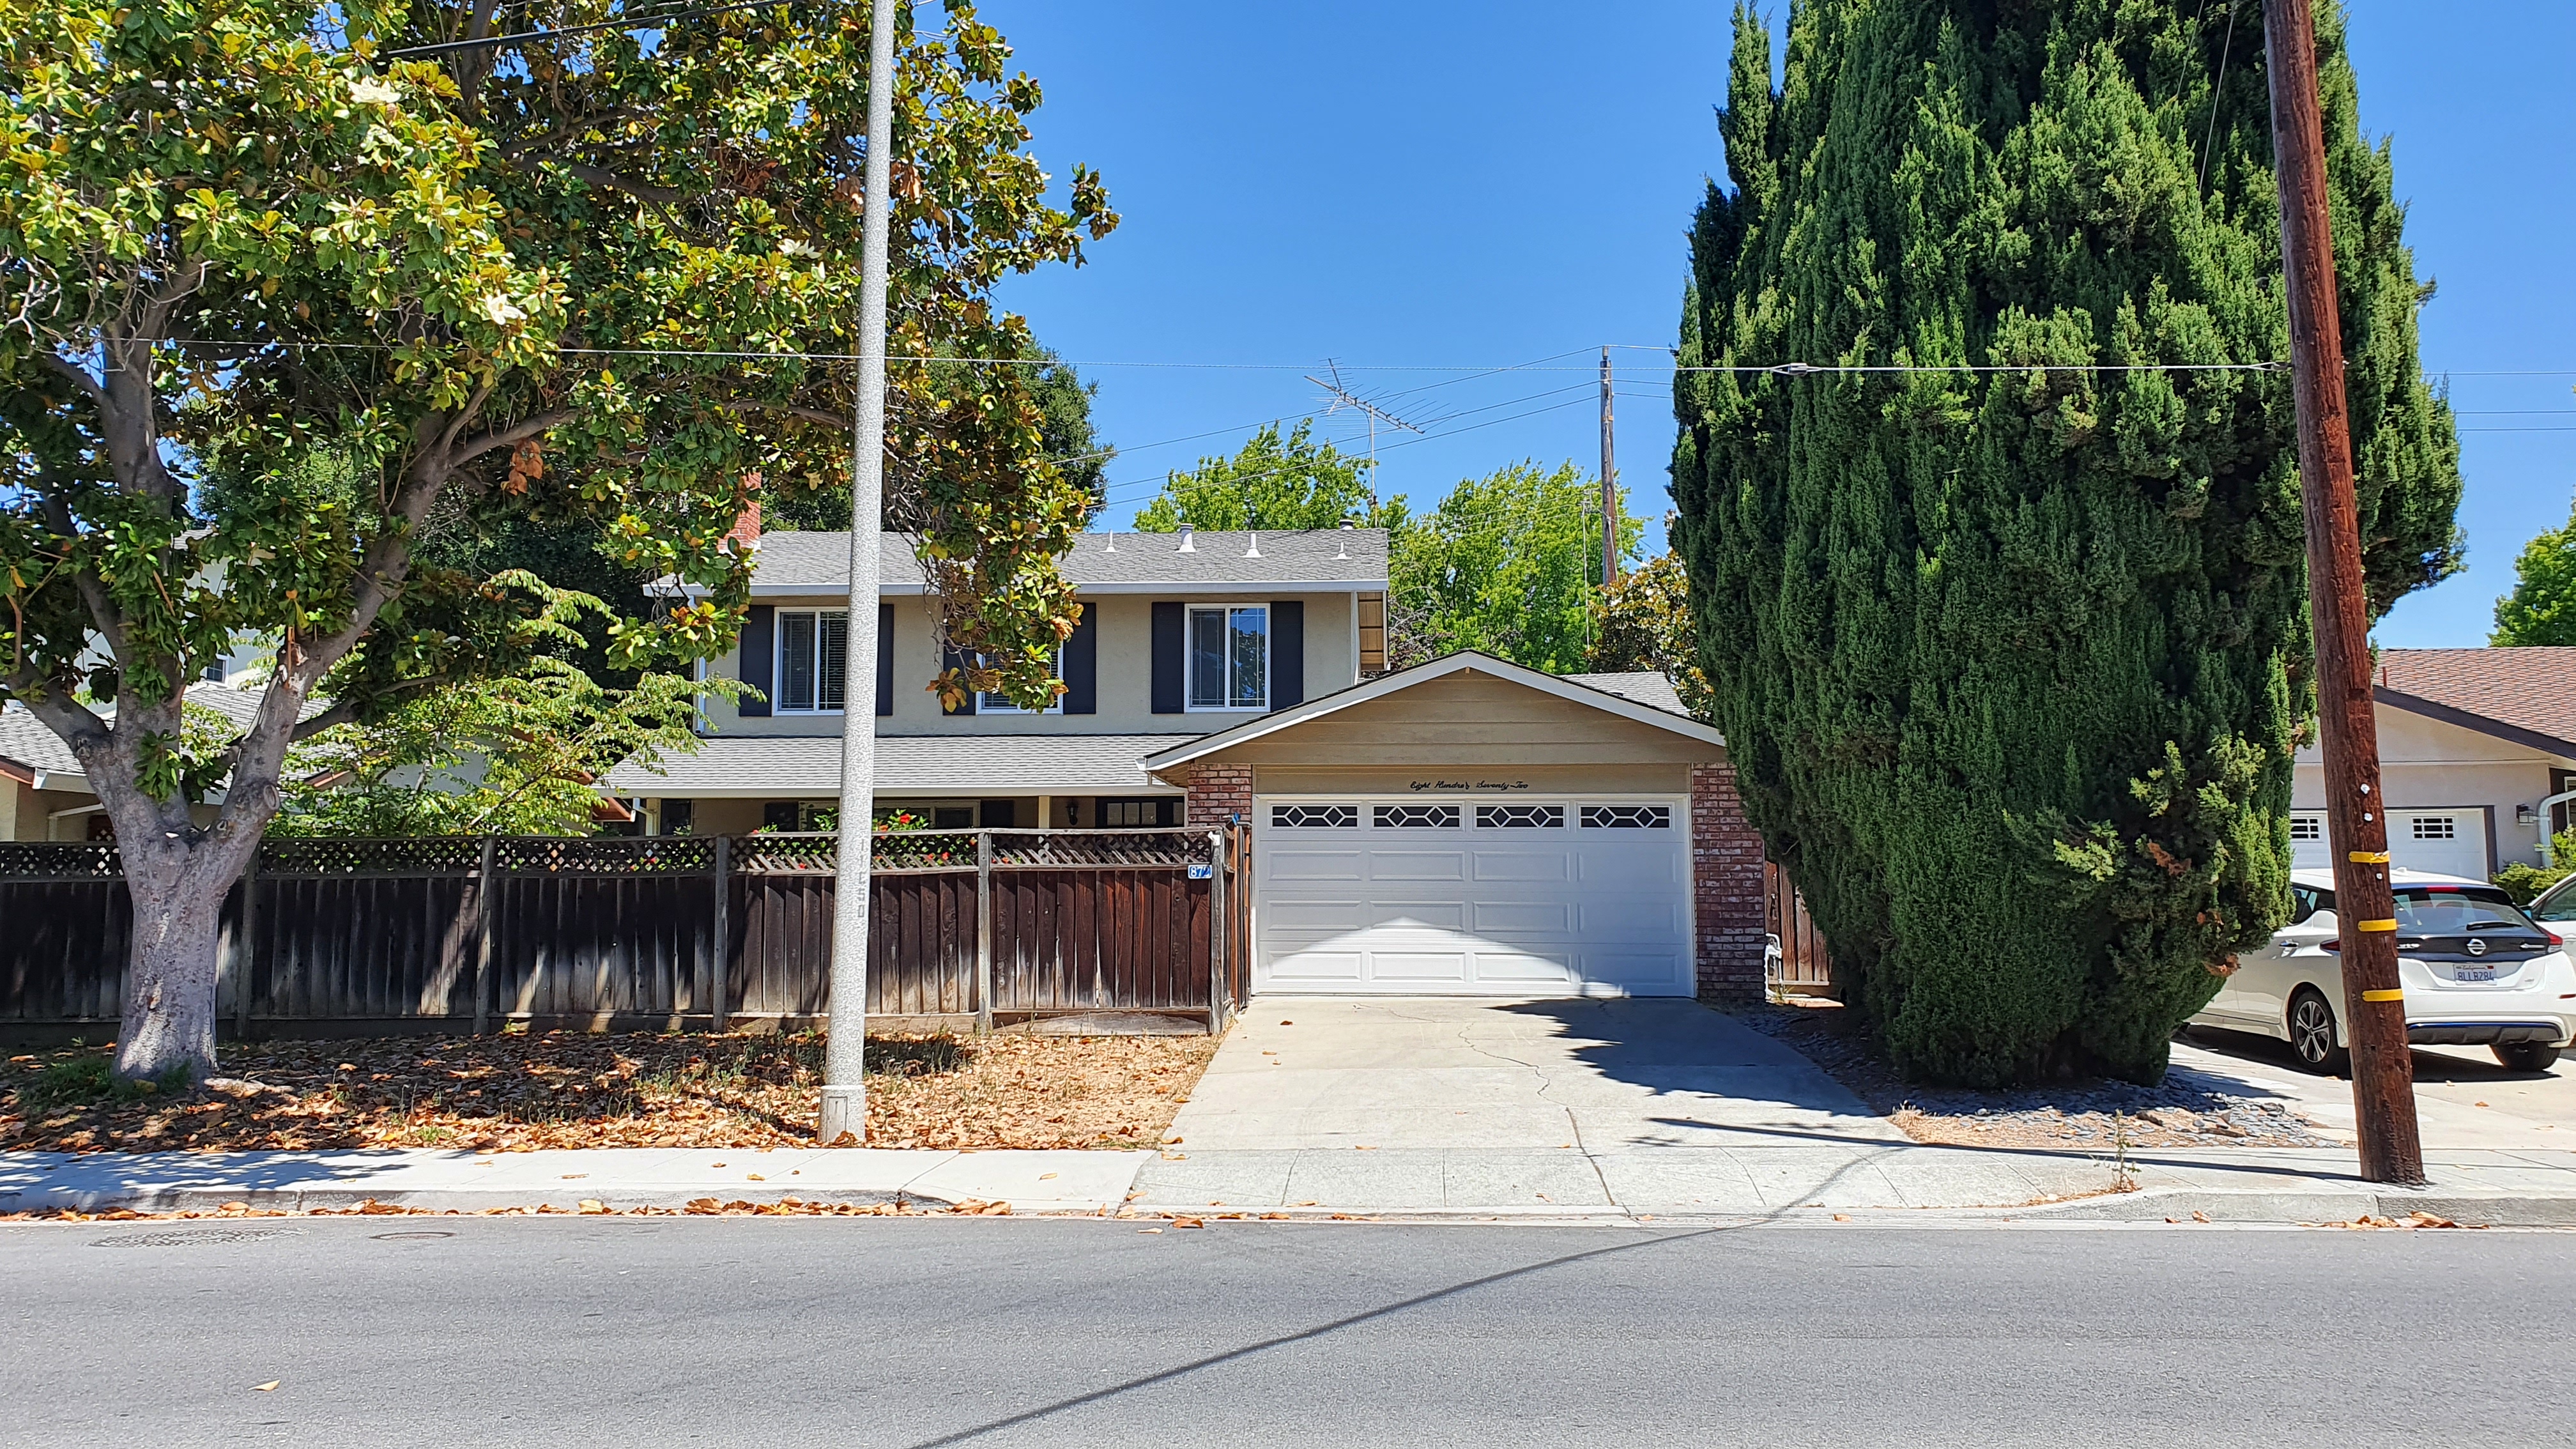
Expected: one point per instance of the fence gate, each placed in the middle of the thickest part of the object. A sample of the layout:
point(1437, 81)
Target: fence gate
point(359, 937)
point(1802, 963)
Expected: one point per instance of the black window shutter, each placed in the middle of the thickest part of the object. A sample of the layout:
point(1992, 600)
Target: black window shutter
point(885, 659)
point(1287, 652)
point(1167, 658)
point(950, 658)
point(1082, 664)
point(759, 648)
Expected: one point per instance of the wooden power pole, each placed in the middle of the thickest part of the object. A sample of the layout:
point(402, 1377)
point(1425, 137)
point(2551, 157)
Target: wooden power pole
point(2374, 1010)
point(1609, 483)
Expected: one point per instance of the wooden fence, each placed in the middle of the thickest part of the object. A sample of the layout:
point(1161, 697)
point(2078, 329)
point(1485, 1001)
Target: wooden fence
point(360, 937)
point(1803, 965)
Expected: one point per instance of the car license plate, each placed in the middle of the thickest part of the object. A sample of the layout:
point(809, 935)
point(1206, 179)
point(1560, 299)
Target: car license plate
point(2473, 973)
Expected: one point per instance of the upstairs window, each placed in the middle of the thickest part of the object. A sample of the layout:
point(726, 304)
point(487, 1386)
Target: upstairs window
point(1229, 657)
point(813, 659)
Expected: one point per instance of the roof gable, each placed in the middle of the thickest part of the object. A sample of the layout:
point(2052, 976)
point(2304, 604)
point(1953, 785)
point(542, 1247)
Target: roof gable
point(1465, 708)
point(2523, 694)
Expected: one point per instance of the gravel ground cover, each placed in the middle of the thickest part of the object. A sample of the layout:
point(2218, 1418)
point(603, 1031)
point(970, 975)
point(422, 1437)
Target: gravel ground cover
point(524, 1092)
point(2186, 1109)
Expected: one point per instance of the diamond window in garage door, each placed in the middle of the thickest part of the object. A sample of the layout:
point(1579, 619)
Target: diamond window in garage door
point(1627, 817)
point(1520, 817)
point(1316, 817)
point(1417, 817)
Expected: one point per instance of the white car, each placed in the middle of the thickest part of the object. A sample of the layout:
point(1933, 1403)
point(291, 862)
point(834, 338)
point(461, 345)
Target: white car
point(2476, 972)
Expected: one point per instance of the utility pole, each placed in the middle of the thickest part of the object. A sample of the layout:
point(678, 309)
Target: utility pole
point(1609, 483)
point(844, 1115)
point(2383, 1073)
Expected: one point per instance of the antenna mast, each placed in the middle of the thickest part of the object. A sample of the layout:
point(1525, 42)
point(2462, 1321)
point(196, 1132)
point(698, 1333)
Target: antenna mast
point(1342, 397)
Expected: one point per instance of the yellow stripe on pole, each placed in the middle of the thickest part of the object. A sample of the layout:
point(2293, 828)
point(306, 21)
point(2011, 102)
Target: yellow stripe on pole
point(2383, 996)
point(2367, 857)
point(2375, 926)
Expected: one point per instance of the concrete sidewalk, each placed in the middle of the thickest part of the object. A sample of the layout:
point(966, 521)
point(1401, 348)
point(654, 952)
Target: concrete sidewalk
point(1042, 1182)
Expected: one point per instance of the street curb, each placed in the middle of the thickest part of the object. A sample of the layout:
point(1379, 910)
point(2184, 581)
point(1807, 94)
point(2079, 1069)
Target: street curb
point(2323, 1205)
point(301, 1199)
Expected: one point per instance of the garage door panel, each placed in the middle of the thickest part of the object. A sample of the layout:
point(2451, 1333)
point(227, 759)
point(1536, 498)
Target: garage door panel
point(1288, 865)
point(1614, 867)
point(1629, 919)
point(1522, 967)
point(1522, 865)
point(1293, 915)
point(1417, 865)
point(1417, 915)
point(1421, 966)
point(1635, 970)
point(1312, 967)
point(1553, 918)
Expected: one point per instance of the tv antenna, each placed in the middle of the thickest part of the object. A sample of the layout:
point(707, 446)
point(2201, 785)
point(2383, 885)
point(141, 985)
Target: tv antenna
point(1342, 397)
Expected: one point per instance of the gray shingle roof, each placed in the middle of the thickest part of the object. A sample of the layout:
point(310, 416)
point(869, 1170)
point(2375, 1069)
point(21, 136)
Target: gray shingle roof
point(817, 563)
point(809, 767)
point(1645, 687)
point(25, 740)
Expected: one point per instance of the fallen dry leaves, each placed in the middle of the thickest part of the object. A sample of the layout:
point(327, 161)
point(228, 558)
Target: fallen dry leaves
point(526, 1092)
point(587, 1208)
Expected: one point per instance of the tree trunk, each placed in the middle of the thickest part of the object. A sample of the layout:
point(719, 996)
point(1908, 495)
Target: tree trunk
point(169, 1021)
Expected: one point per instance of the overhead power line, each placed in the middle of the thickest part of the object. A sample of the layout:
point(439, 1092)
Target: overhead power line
point(642, 22)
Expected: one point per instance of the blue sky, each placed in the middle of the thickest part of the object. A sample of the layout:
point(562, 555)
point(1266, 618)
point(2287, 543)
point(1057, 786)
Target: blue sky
point(1430, 189)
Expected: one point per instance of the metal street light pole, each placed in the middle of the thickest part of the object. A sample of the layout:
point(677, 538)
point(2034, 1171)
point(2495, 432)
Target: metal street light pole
point(844, 1116)
point(2383, 1071)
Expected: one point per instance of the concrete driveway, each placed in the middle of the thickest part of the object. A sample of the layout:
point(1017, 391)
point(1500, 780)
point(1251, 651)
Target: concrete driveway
point(1440, 1074)
point(1489, 1108)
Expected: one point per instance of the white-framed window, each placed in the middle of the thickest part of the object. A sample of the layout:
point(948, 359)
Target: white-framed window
point(813, 660)
point(2437, 827)
point(992, 703)
point(1229, 657)
point(2307, 827)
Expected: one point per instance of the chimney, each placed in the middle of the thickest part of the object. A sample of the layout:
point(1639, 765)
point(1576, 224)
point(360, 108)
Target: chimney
point(745, 536)
point(1189, 542)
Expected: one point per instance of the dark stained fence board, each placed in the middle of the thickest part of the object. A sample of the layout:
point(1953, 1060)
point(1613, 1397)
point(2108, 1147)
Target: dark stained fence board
point(349, 932)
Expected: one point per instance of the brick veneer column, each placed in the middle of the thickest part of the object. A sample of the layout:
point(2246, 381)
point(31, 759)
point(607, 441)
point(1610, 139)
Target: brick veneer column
point(1726, 886)
point(1220, 792)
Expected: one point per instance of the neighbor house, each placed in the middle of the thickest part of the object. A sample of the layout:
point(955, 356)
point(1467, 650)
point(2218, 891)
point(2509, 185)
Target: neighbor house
point(2477, 754)
point(1463, 826)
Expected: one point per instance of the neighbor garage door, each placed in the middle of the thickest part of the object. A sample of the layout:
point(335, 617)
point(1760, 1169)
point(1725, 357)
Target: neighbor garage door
point(2446, 842)
point(1476, 898)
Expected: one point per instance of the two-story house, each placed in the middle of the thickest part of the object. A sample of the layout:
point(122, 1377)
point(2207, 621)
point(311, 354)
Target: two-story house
point(1466, 826)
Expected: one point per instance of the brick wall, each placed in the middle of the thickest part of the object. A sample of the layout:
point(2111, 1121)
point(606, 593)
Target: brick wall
point(1218, 793)
point(1726, 886)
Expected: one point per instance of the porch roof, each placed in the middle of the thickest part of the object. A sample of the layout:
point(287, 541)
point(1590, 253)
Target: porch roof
point(772, 767)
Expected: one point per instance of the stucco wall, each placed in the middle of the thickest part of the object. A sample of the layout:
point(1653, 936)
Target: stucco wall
point(1125, 676)
point(2426, 764)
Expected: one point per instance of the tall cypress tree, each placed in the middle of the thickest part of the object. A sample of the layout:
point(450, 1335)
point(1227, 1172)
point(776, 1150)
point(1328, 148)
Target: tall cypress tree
point(2012, 660)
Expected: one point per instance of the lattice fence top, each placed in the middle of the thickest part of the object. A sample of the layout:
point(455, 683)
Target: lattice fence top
point(605, 855)
point(321, 856)
point(924, 850)
point(781, 853)
point(60, 860)
point(1139, 848)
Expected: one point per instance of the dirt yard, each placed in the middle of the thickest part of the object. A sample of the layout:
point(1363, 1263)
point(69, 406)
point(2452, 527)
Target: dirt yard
point(521, 1092)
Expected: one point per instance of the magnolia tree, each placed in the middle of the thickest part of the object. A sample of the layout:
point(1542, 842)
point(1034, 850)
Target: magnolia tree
point(287, 289)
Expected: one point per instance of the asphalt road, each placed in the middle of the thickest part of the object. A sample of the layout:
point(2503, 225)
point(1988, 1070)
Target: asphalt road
point(594, 1332)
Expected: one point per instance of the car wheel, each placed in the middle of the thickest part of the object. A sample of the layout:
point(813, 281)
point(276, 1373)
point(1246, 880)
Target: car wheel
point(2526, 1056)
point(2312, 1033)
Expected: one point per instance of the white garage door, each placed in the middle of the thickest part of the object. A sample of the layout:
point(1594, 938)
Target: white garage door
point(2446, 842)
point(1467, 897)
